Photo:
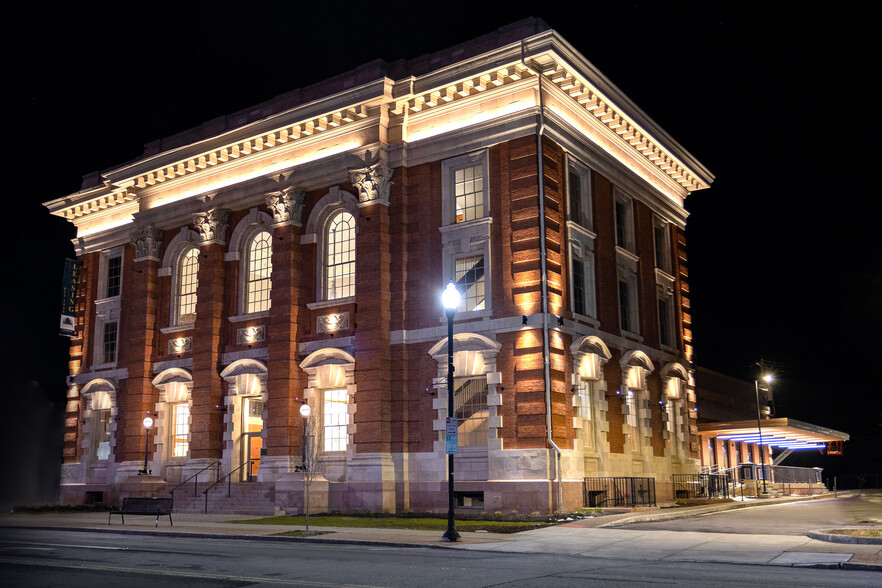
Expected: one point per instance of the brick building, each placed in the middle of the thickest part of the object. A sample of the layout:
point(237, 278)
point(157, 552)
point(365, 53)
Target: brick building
point(296, 251)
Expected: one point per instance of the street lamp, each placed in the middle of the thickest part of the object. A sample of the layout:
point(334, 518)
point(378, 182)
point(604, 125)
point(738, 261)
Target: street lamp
point(450, 299)
point(768, 379)
point(148, 422)
point(304, 412)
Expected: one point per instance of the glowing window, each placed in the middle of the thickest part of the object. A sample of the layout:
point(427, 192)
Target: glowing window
point(340, 257)
point(336, 419)
point(101, 434)
point(470, 282)
point(470, 407)
point(259, 274)
point(187, 284)
point(180, 429)
point(468, 190)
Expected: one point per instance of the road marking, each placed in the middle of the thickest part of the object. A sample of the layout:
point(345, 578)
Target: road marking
point(65, 545)
point(170, 573)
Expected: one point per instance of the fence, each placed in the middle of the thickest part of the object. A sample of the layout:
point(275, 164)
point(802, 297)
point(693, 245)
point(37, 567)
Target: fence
point(619, 492)
point(688, 486)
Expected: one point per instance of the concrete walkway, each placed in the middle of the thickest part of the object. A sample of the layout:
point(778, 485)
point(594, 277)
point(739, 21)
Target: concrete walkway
point(598, 537)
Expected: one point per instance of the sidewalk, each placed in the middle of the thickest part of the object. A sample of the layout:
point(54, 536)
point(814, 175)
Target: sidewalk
point(596, 537)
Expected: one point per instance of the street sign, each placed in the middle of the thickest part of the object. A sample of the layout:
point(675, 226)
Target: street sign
point(452, 435)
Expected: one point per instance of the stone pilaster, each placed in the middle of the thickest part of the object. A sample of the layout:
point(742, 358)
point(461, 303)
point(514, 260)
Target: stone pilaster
point(138, 396)
point(206, 413)
point(283, 424)
point(370, 467)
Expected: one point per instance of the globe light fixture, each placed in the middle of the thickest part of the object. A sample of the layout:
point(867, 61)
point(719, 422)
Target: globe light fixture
point(147, 422)
point(450, 300)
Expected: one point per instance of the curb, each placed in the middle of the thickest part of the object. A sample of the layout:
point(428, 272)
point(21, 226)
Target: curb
point(834, 538)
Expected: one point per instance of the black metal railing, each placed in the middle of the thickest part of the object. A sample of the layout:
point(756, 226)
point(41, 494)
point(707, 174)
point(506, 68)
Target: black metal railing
point(229, 478)
point(195, 478)
point(688, 486)
point(619, 492)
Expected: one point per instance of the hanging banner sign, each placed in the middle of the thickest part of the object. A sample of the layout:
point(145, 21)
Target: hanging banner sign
point(452, 435)
point(69, 283)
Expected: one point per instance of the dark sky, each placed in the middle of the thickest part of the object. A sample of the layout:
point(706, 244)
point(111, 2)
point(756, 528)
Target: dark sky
point(775, 100)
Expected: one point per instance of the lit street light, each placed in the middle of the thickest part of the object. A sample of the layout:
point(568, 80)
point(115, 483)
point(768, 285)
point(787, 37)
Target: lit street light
point(148, 422)
point(450, 299)
point(759, 427)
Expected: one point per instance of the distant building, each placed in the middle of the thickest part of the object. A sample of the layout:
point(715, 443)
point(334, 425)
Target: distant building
point(737, 422)
point(296, 252)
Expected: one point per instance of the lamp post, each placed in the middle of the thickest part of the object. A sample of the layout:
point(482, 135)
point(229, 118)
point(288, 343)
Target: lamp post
point(759, 428)
point(148, 422)
point(304, 412)
point(450, 299)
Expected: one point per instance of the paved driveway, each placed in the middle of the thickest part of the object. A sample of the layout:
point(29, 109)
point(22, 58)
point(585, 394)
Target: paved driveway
point(794, 518)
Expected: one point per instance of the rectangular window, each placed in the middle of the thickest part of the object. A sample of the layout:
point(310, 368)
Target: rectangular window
point(578, 287)
point(579, 194)
point(662, 248)
point(180, 429)
point(470, 407)
point(664, 321)
point(625, 306)
point(109, 347)
point(624, 228)
point(101, 434)
point(468, 190)
point(631, 419)
point(583, 412)
point(470, 282)
point(113, 277)
point(336, 419)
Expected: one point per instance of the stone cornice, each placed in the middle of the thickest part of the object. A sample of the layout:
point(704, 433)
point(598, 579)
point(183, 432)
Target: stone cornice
point(544, 62)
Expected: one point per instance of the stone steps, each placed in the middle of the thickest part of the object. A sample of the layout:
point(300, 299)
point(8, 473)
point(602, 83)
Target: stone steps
point(245, 498)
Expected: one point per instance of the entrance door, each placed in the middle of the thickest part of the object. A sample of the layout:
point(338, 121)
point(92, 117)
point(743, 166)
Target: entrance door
point(252, 425)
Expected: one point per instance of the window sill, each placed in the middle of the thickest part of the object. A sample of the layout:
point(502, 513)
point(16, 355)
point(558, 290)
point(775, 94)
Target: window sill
point(104, 366)
point(176, 328)
point(467, 315)
point(584, 318)
point(631, 336)
point(627, 253)
point(329, 303)
point(241, 318)
point(488, 220)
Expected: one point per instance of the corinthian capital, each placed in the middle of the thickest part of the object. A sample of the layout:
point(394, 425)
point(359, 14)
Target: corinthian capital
point(286, 206)
point(148, 243)
point(212, 225)
point(373, 183)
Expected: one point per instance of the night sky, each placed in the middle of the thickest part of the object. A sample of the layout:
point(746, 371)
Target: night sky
point(774, 100)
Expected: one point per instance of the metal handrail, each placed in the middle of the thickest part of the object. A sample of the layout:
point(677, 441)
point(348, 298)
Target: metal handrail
point(195, 484)
point(229, 478)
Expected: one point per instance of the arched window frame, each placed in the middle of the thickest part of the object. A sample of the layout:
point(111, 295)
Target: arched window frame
point(258, 268)
point(186, 278)
point(316, 231)
point(338, 260)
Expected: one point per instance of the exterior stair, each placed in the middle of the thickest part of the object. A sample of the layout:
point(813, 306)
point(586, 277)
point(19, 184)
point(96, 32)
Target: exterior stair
point(251, 498)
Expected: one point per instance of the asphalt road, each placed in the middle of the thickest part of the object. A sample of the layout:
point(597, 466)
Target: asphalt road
point(793, 518)
point(73, 559)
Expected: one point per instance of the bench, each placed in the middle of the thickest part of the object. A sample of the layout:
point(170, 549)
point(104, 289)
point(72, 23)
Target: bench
point(143, 506)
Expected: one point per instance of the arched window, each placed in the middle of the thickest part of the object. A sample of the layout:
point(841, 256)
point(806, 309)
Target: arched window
point(340, 256)
point(258, 279)
point(187, 276)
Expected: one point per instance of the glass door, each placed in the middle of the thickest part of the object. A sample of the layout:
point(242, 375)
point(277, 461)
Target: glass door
point(252, 425)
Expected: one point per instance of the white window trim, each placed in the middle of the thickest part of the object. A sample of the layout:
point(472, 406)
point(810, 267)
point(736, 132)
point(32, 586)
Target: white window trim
point(467, 238)
point(621, 197)
point(323, 265)
point(587, 195)
point(176, 284)
point(582, 248)
point(665, 253)
point(107, 310)
point(244, 264)
point(629, 276)
point(448, 167)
